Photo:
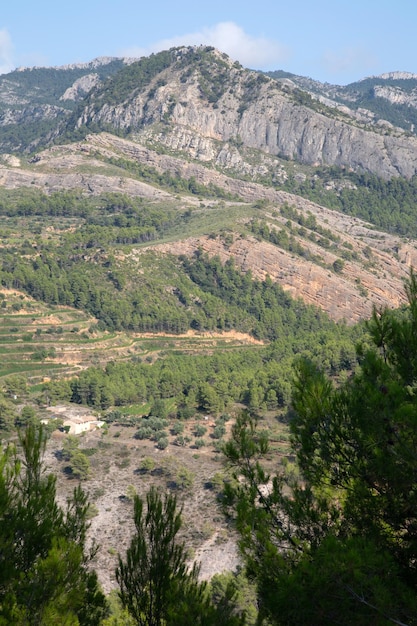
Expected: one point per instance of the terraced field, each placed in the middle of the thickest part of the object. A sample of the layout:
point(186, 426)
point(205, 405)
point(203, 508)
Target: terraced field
point(43, 342)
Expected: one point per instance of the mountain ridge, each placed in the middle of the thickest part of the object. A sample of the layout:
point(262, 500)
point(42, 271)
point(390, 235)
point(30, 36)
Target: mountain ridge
point(224, 102)
point(193, 128)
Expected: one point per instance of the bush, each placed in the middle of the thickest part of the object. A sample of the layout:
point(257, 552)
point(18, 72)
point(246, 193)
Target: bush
point(178, 428)
point(218, 432)
point(162, 443)
point(338, 266)
point(144, 432)
point(79, 466)
point(200, 430)
point(185, 478)
point(148, 464)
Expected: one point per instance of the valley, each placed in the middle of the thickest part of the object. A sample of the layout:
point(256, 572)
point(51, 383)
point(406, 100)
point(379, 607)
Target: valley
point(183, 242)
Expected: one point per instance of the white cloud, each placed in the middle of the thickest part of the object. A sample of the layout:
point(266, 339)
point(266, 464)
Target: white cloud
point(6, 52)
point(228, 37)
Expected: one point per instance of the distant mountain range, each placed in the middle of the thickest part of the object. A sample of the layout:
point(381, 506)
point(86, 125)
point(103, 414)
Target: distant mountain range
point(199, 95)
point(192, 119)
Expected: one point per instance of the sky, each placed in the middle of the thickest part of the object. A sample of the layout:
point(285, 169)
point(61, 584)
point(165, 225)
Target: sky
point(332, 41)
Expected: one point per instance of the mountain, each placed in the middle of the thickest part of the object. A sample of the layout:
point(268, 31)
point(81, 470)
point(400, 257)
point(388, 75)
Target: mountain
point(32, 100)
point(386, 100)
point(199, 97)
point(175, 230)
point(195, 100)
point(188, 124)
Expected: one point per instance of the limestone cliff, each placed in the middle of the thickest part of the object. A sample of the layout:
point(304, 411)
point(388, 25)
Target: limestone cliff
point(198, 103)
point(211, 98)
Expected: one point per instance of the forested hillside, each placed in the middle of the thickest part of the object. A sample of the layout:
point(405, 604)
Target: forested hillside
point(207, 322)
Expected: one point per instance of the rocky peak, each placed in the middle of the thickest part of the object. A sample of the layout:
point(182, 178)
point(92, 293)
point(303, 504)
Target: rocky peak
point(397, 76)
point(185, 98)
point(89, 65)
point(396, 95)
point(200, 92)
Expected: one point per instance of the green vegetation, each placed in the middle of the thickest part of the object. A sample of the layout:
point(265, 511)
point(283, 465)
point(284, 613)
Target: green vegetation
point(320, 477)
point(132, 78)
point(174, 184)
point(47, 84)
point(84, 270)
point(332, 538)
point(33, 348)
point(258, 377)
point(156, 586)
point(45, 576)
point(365, 96)
point(387, 204)
point(330, 535)
point(78, 464)
point(128, 81)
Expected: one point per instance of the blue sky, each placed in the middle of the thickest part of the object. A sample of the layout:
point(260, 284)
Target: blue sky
point(329, 40)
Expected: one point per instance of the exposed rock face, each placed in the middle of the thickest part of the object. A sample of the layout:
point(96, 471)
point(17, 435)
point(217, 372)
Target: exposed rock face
point(336, 294)
point(396, 95)
point(90, 65)
point(30, 114)
point(29, 96)
point(374, 275)
point(81, 87)
point(255, 113)
point(398, 76)
point(203, 100)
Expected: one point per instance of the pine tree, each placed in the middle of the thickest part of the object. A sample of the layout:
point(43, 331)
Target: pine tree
point(44, 574)
point(334, 538)
point(156, 585)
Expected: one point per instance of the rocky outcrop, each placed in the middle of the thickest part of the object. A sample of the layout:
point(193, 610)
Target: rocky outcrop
point(31, 114)
point(341, 296)
point(208, 108)
point(396, 95)
point(254, 113)
point(81, 87)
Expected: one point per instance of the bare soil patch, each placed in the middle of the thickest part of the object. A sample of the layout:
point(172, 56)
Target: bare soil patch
point(116, 473)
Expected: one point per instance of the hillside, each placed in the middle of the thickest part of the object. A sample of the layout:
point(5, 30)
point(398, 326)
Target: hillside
point(375, 263)
point(175, 232)
point(196, 98)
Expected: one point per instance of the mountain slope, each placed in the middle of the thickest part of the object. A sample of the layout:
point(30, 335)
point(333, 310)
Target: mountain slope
point(34, 100)
point(239, 151)
point(201, 96)
point(389, 99)
point(374, 263)
point(199, 104)
point(156, 202)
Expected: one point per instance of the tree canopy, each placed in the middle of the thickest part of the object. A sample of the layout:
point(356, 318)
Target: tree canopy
point(44, 573)
point(333, 539)
point(156, 585)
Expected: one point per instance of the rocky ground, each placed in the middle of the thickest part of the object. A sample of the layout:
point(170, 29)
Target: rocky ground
point(374, 277)
point(116, 474)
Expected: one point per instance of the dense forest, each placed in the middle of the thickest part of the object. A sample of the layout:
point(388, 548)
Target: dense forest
point(333, 541)
point(82, 270)
point(387, 204)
